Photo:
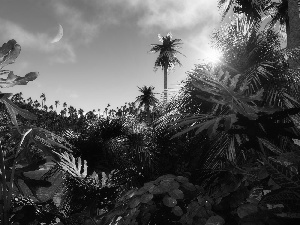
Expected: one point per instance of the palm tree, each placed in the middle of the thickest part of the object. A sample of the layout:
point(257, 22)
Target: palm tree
point(51, 107)
point(29, 100)
point(43, 97)
point(251, 8)
point(56, 103)
point(80, 112)
point(146, 99)
point(36, 104)
point(65, 105)
point(286, 12)
point(167, 56)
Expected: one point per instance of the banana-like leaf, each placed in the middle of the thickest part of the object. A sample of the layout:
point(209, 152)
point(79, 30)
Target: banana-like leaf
point(13, 79)
point(281, 174)
point(9, 52)
point(75, 167)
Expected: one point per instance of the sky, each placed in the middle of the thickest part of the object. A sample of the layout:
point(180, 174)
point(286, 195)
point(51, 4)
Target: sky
point(103, 55)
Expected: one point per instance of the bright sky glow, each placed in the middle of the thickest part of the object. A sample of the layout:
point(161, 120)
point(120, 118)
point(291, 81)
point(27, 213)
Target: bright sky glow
point(213, 56)
point(103, 54)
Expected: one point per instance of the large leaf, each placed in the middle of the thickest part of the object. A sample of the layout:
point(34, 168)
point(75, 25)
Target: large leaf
point(281, 174)
point(9, 52)
point(13, 79)
point(169, 201)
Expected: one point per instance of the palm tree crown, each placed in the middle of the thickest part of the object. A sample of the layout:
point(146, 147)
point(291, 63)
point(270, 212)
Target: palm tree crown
point(167, 55)
point(146, 99)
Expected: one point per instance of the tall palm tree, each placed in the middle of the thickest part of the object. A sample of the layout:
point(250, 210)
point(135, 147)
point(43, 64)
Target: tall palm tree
point(167, 56)
point(56, 103)
point(146, 99)
point(43, 97)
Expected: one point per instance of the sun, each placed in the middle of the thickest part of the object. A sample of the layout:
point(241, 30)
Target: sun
point(213, 56)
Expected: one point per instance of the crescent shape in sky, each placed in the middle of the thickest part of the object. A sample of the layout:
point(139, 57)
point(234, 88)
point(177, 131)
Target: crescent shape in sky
point(59, 35)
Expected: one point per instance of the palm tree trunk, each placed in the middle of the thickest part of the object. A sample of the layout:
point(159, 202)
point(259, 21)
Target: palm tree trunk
point(293, 29)
point(166, 81)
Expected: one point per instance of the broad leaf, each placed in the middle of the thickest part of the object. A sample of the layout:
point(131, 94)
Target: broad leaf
point(215, 220)
point(146, 198)
point(169, 201)
point(246, 209)
point(176, 194)
point(177, 211)
point(13, 79)
point(9, 52)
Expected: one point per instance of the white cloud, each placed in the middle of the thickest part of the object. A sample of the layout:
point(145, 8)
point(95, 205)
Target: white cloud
point(61, 52)
point(172, 14)
point(79, 30)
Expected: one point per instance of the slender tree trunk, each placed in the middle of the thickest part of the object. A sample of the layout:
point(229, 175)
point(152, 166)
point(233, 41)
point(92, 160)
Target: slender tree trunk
point(293, 29)
point(166, 81)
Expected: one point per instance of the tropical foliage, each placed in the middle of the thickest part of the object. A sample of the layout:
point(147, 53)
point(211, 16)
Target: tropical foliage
point(224, 150)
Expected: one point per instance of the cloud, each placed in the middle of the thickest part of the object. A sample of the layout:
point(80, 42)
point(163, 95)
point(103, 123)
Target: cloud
point(74, 95)
point(60, 52)
point(79, 29)
point(66, 92)
point(171, 14)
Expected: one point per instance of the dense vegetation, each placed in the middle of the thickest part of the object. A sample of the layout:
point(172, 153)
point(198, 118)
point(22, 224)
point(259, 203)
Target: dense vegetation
point(224, 150)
